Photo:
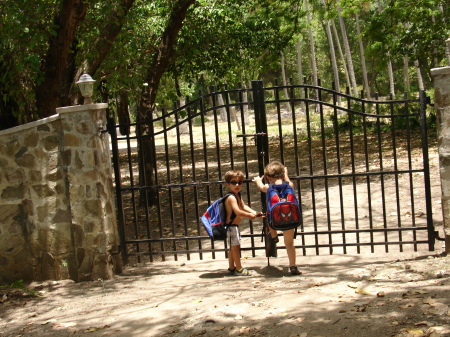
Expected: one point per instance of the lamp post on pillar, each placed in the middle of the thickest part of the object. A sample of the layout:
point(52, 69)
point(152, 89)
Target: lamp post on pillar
point(86, 85)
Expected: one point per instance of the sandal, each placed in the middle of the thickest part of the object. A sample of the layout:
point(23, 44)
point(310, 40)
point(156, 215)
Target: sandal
point(241, 272)
point(275, 239)
point(231, 271)
point(294, 270)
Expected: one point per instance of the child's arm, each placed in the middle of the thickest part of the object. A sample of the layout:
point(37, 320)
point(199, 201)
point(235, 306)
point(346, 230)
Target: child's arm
point(286, 177)
point(244, 212)
point(257, 214)
point(262, 187)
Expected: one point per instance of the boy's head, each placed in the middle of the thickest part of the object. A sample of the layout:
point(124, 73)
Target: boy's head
point(234, 177)
point(274, 170)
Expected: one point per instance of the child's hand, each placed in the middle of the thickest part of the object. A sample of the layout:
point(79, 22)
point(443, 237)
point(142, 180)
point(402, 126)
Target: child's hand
point(260, 215)
point(256, 179)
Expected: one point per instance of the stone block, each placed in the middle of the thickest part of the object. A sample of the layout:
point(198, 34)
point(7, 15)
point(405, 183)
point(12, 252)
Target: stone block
point(14, 192)
point(31, 140)
point(27, 160)
point(62, 216)
point(43, 191)
point(71, 140)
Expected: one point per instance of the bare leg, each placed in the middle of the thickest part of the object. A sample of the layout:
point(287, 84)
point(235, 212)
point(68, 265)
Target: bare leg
point(234, 257)
point(290, 248)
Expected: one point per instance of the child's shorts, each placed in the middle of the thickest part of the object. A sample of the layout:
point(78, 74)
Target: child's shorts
point(233, 236)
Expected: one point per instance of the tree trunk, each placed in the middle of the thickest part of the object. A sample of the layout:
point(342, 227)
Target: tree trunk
point(245, 106)
point(311, 42)
point(388, 54)
point(283, 76)
point(419, 75)
point(300, 72)
point(341, 54)
point(161, 61)
point(332, 56)
point(222, 111)
point(109, 33)
point(363, 58)
point(49, 91)
point(348, 53)
point(406, 74)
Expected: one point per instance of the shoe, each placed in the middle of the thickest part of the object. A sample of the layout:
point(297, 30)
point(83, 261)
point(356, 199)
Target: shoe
point(241, 272)
point(294, 270)
point(231, 271)
point(273, 246)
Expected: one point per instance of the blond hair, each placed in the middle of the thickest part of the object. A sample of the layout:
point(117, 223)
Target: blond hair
point(274, 169)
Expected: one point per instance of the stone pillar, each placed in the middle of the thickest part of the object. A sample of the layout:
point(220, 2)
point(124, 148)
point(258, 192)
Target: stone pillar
point(441, 77)
point(86, 157)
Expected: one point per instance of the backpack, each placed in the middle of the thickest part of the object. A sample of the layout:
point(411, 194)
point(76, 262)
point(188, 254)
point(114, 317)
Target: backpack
point(214, 219)
point(283, 210)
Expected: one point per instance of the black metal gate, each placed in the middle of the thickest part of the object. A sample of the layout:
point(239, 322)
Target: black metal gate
point(360, 168)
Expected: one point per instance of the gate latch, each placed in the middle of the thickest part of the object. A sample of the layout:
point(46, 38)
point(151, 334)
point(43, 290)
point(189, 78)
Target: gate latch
point(254, 135)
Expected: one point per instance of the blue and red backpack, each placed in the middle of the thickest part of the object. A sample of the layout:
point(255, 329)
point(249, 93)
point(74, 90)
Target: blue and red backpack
point(283, 210)
point(214, 219)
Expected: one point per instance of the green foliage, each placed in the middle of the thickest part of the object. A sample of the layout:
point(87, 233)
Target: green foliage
point(220, 42)
point(16, 289)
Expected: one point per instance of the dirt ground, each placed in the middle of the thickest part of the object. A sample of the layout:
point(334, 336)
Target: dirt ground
point(396, 294)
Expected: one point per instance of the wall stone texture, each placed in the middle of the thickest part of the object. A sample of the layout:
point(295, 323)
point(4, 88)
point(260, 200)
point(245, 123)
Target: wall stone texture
point(57, 208)
point(441, 77)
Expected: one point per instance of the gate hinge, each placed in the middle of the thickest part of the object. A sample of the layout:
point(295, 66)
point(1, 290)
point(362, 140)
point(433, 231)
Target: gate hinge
point(437, 237)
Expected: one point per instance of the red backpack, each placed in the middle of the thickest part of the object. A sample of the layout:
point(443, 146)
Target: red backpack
point(283, 210)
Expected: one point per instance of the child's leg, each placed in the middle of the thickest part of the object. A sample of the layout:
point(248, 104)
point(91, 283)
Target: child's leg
point(290, 247)
point(234, 257)
point(234, 254)
point(273, 232)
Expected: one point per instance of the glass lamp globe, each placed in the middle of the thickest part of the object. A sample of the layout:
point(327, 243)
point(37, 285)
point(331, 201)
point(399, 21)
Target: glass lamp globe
point(86, 85)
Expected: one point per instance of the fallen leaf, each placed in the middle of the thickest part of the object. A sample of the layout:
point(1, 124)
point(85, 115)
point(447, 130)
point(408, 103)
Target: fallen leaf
point(424, 323)
point(406, 306)
point(429, 301)
point(362, 291)
point(96, 329)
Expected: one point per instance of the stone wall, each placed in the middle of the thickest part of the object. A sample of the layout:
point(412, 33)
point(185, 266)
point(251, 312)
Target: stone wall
point(57, 213)
point(441, 77)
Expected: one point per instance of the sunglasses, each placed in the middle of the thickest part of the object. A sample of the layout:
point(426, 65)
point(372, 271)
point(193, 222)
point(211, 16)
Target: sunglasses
point(234, 182)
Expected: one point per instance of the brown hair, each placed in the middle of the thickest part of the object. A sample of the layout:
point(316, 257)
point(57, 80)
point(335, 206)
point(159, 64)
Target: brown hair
point(237, 175)
point(233, 174)
point(274, 170)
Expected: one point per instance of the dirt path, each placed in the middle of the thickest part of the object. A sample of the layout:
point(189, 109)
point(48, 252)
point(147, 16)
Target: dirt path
point(400, 294)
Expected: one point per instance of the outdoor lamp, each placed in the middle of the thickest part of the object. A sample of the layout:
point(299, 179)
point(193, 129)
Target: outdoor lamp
point(86, 85)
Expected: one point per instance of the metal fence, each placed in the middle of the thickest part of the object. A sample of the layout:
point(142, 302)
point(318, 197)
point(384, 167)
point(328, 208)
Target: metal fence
point(360, 168)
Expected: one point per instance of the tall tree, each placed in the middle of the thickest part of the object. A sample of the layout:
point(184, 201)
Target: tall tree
point(162, 59)
point(348, 52)
point(332, 52)
point(363, 57)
